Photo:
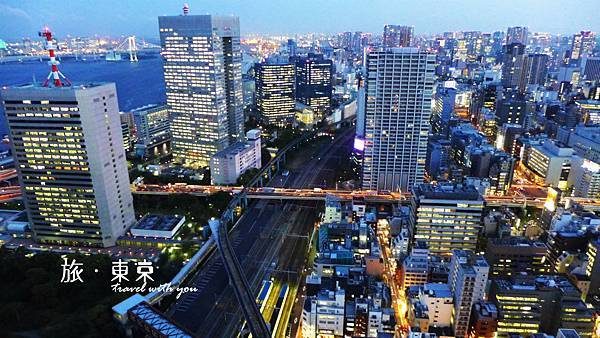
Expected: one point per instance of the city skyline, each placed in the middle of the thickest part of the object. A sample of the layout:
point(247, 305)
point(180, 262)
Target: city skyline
point(368, 184)
point(22, 19)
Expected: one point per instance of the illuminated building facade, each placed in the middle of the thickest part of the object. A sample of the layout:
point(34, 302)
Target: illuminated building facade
point(512, 64)
point(443, 109)
point(507, 138)
point(517, 34)
point(583, 44)
point(415, 268)
point(534, 70)
point(203, 79)
point(446, 217)
point(397, 36)
point(227, 165)
point(484, 320)
point(516, 255)
point(549, 164)
point(71, 163)
point(487, 124)
point(467, 279)
point(153, 129)
point(126, 133)
point(323, 314)
point(275, 95)
point(314, 82)
point(593, 266)
point(513, 111)
point(586, 182)
point(397, 96)
point(533, 304)
point(502, 167)
point(589, 110)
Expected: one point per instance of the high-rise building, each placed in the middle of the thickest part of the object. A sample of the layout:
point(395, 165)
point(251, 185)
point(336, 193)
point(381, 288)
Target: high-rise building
point(397, 36)
point(583, 44)
point(507, 138)
point(152, 129)
point(345, 40)
point(398, 91)
point(442, 110)
point(438, 157)
point(292, 46)
point(513, 111)
point(126, 131)
point(593, 266)
point(549, 163)
point(586, 182)
point(474, 43)
point(533, 71)
point(516, 255)
point(590, 67)
point(467, 279)
point(68, 148)
point(500, 174)
point(314, 82)
point(512, 64)
point(275, 96)
point(203, 79)
point(516, 34)
point(532, 304)
point(446, 217)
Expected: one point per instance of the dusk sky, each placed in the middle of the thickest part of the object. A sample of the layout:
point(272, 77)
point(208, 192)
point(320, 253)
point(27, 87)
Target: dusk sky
point(20, 18)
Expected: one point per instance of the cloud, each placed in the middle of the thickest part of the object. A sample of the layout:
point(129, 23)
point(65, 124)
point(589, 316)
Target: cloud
point(14, 12)
point(14, 21)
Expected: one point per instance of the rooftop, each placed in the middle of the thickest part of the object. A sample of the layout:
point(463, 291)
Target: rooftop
point(36, 85)
point(158, 222)
point(537, 283)
point(447, 192)
point(568, 333)
point(516, 242)
point(148, 107)
point(437, 290)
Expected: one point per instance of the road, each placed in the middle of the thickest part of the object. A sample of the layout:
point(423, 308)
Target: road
point(268, 241)
point(399, 301)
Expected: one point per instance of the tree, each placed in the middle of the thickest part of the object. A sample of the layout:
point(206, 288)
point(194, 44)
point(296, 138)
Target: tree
point(265, 156)
point(247, 176)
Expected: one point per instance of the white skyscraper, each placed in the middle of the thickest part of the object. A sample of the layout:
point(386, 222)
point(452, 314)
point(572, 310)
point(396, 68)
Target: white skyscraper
point(397, 110)
point(203, 78)
point(70, 160)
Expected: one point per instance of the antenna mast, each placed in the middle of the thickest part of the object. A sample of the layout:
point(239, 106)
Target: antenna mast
point(55, 74)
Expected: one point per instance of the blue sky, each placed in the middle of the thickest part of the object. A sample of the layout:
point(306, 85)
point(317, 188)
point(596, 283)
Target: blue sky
point(20, 18)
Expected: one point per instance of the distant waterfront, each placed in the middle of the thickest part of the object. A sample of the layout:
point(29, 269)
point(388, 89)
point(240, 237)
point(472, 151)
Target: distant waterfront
point(138, 83)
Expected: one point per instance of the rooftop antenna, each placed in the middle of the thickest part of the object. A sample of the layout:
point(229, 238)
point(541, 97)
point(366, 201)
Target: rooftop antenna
point(55, 74)
point(186, 9)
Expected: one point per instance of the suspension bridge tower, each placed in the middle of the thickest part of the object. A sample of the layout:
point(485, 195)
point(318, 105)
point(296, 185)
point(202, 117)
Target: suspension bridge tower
point(132, 49)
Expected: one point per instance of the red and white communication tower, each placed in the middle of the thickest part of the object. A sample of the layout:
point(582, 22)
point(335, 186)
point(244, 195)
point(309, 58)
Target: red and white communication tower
point(186, 9)
point(55, 74)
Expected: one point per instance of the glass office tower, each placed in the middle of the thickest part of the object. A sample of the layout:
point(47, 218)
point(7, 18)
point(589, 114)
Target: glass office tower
point(203, 79)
